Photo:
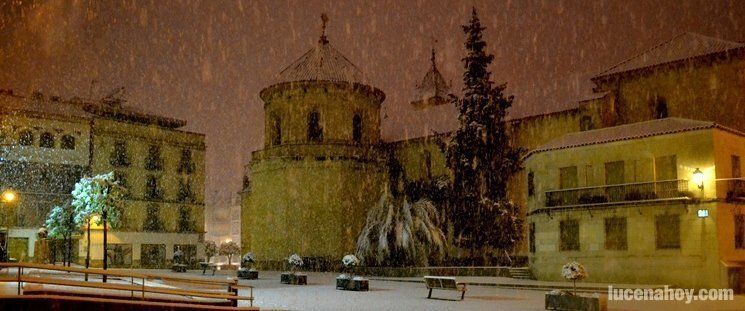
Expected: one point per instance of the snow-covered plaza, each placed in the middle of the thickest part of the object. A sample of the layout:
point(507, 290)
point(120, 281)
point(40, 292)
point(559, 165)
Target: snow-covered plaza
point(494, 293)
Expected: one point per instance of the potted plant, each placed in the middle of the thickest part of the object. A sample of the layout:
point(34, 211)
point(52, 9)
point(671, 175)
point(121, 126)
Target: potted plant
point(247, 271)
point(293, 277)
point(347, 280)
point(564, 300)
point(228, 249)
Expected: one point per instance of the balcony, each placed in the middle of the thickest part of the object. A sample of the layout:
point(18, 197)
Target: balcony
point(735, 189)
point(666, 190)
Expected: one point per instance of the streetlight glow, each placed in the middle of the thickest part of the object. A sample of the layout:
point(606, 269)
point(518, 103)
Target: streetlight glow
point(9, 196)
point(698, 178)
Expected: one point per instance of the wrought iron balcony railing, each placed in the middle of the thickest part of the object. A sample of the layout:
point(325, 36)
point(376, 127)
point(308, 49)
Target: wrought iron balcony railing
point(735, 189)
point(632, 192)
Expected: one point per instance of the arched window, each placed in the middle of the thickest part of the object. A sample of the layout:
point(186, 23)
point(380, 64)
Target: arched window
point(276, 130)
point(315, 131)
point(660, 108)
point(357, 128)
point(26, 138)
point(67, 142)
point(46, 140)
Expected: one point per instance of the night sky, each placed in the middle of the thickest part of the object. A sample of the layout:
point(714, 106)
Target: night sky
point(206, 61)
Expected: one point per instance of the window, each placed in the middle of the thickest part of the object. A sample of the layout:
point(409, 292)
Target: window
point(152, 220)
point(585, 123)
point(666, 168)
point(26, 138)
point(740, 231)
point(531, 184)
point(667, 231)
point(357, 128)
point(119, 156)
point(184, 191)
point(569, 235)
point(531, 237)
point(615, 233)
point(153, 161)
point(614, 172)
point(568, 177)
point(46, 140)
point(660, 107)
point(121, 178)
point(736, 173)
point(67, 142)
point(185, 223)
point(276, 131)
point(185, 164)
point(152, 191)
point(315, 131)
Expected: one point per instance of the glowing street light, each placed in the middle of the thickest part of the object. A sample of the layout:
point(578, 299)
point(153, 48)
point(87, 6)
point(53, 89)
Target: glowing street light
point(9, 196)
point(698, 178)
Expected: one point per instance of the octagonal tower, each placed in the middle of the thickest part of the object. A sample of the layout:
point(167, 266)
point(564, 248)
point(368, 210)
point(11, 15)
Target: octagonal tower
point(320, 169)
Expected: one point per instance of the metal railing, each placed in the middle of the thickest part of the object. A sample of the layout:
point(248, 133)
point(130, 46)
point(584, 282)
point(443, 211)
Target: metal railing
point(735, 189)
point(128, 282)
point(631, 192)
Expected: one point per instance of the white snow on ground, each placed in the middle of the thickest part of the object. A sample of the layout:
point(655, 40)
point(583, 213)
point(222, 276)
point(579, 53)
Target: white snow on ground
point(321, 294)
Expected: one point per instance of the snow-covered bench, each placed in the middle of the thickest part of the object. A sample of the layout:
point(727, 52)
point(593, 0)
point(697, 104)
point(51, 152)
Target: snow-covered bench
point(444, 283)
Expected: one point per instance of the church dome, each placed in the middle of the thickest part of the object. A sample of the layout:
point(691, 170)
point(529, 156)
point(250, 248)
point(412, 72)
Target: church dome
point(321, 63)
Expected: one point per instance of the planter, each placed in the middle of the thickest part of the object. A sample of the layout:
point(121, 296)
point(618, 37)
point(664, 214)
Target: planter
point(294, 279)
point(359, 284)
point(566, 301)
point(248, 274)
point(178, 267)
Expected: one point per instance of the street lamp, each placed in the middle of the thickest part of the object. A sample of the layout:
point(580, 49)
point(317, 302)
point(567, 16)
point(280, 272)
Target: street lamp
point(9, 196)
point(698, 178)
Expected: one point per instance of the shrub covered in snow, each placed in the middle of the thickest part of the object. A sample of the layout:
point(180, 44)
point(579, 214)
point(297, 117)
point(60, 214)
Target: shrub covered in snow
point(350, 261)
point(295, 261)
point(573, 271)
point(248, 260)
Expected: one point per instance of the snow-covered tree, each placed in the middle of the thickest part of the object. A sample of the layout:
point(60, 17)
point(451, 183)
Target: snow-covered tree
point(60, 224)
point(399, 233)
point(480, 155)
point(210, 249)
point(98, 199)
point(229, 249)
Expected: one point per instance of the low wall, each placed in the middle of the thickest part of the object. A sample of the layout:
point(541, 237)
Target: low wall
point(322, 266)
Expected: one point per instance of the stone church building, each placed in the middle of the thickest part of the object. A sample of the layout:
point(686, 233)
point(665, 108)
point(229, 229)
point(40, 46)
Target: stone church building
point(324, 163)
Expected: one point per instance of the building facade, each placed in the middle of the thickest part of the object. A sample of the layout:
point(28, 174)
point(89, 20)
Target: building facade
point(646, 203)
point(49, 144)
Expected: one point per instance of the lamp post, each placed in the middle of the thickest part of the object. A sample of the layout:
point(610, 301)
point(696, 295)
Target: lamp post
point(7, 196)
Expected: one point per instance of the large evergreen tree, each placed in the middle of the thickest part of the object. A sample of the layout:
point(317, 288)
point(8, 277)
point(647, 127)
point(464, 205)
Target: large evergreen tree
point(480, 155)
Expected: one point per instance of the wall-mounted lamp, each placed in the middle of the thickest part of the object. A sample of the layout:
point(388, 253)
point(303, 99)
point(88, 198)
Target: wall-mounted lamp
point(698, 178)
point(703, 213)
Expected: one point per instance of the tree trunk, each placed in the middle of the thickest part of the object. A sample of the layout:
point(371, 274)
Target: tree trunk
point(69, 250)
point(88, 249)
point(105, 244)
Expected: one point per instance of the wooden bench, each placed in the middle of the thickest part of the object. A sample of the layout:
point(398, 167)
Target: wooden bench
point(210, 266)
point(444, 283)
